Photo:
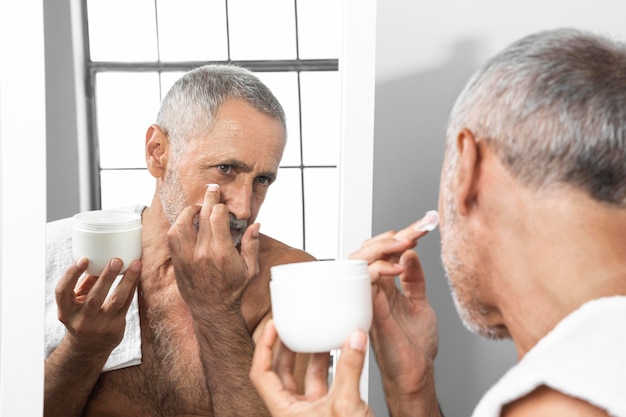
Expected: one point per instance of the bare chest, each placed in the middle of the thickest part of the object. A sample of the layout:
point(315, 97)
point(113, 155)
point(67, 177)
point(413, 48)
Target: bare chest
point(170, 380)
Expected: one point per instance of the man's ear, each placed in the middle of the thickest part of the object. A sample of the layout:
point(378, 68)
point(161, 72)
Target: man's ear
point(157, 150)
point(467, 171)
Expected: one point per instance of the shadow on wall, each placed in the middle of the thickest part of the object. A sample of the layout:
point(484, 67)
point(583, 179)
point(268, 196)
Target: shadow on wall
point(410, 122)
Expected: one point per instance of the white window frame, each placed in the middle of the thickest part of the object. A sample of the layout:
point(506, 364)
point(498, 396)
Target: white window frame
point(90, 140)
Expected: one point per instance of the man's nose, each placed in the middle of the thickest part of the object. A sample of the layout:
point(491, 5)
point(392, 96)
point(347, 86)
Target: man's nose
point(238, 199)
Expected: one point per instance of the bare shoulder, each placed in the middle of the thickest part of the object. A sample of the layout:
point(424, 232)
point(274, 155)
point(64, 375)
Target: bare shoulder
point(274, 252)
point(546, 401)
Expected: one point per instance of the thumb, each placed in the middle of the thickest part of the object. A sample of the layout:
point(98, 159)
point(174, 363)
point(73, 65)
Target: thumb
point(349, 368)
point(250, 248)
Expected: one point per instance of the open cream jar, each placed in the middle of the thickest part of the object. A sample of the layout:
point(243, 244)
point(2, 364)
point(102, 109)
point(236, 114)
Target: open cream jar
point(318, 304)
point(101, 235)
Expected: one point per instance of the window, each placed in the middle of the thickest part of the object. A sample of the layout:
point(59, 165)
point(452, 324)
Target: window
point(136, 50)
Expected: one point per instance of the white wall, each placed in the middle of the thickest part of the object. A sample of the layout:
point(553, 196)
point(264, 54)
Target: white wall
point(425, 52)
point(22, 207)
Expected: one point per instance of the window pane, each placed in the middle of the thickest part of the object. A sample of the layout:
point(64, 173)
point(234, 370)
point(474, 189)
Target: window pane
point(126, 187)
point(121, 30)
point(281, 213)
point(192, 30)
point(262, 30)
point(167, 81)
point(320, 97)
point(321, 209)
point(319, 29)
point(284, 85)
point(127, 104)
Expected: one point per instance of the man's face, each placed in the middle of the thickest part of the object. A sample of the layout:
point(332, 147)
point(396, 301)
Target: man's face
point(466, 266)
point(241, 153)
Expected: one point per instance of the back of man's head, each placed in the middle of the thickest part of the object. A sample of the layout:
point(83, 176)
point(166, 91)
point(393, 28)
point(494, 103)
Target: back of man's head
point(553, 108)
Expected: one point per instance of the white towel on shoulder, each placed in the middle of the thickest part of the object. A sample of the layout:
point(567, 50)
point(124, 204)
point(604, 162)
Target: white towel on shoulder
point(59, 258)
point(584, 356)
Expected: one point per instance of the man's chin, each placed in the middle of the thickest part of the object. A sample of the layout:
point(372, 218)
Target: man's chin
point(237, 235)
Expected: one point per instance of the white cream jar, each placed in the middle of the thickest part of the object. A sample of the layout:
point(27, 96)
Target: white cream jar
point(101, 235)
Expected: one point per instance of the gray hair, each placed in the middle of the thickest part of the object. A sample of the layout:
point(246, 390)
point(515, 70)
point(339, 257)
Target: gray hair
point(190, 105)
point(553, 107)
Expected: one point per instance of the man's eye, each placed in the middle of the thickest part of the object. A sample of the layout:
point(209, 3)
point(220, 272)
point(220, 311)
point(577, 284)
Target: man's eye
point(263, 180)
point(225, 169)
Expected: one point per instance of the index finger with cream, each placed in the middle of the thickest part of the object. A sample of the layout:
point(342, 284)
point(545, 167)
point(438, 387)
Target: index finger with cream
point(418, 229)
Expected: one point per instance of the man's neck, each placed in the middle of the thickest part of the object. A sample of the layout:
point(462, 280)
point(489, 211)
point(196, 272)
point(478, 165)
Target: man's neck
point(156, 258)
point(574, 251)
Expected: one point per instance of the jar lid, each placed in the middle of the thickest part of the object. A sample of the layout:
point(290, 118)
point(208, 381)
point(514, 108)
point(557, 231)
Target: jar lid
point(320, 270)
point(101, 221)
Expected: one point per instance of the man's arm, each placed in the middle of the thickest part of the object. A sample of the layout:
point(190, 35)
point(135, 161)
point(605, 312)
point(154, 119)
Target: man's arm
point(404, 336)
point(95, 326)
point(212, 275)
point(226, 351)
point(70, 376)
point(404, 327)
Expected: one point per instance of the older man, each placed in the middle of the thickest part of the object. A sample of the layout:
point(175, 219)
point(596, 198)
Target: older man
point(533, 228)
point(202, 280)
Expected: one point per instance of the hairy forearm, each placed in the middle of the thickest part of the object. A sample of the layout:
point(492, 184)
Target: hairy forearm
point(413, 409)
point(69, 379)
point(424, 404)
point(226, 350)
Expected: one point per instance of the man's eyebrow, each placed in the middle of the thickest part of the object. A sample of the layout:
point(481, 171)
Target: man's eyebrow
point(245, 167)
point(237, 164)
point(215, 162)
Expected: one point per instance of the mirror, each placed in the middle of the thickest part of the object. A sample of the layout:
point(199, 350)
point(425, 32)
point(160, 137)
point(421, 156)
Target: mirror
point(21, 370)
point(153, 44)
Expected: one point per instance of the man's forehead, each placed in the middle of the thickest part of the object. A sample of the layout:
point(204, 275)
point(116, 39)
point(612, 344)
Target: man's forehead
point(238, 153)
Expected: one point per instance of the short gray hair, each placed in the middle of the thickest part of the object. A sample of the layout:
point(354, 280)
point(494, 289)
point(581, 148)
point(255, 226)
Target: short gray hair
point(190, 105)
point(553, 107)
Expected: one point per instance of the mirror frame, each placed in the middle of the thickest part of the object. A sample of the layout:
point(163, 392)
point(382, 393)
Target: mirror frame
point(357, 66)
point(23, 241)
point(22, 207)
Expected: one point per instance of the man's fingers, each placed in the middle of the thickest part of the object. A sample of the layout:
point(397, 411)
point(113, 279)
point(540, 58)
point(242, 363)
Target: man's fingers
point(350, 366)
point(420, 227)
point(182, 231)
point(207, 213)
point(83, 287)
point(391, 244)
point(211, 198)
point(284, 365)
point(98, 294)
point(381, 249)
point(250, 249)
point(65, 288)
point(262, 358)
point(380, 269)
point(267, 383)
point(316, 379)
point(122, 295)
point(412, 279)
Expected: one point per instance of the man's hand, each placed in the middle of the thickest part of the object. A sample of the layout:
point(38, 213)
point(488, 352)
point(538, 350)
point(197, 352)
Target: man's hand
point(212, 275)
point(95, 322)
point(276, 383)
point(404, 328)
point(209, 268)
point(95, 325)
